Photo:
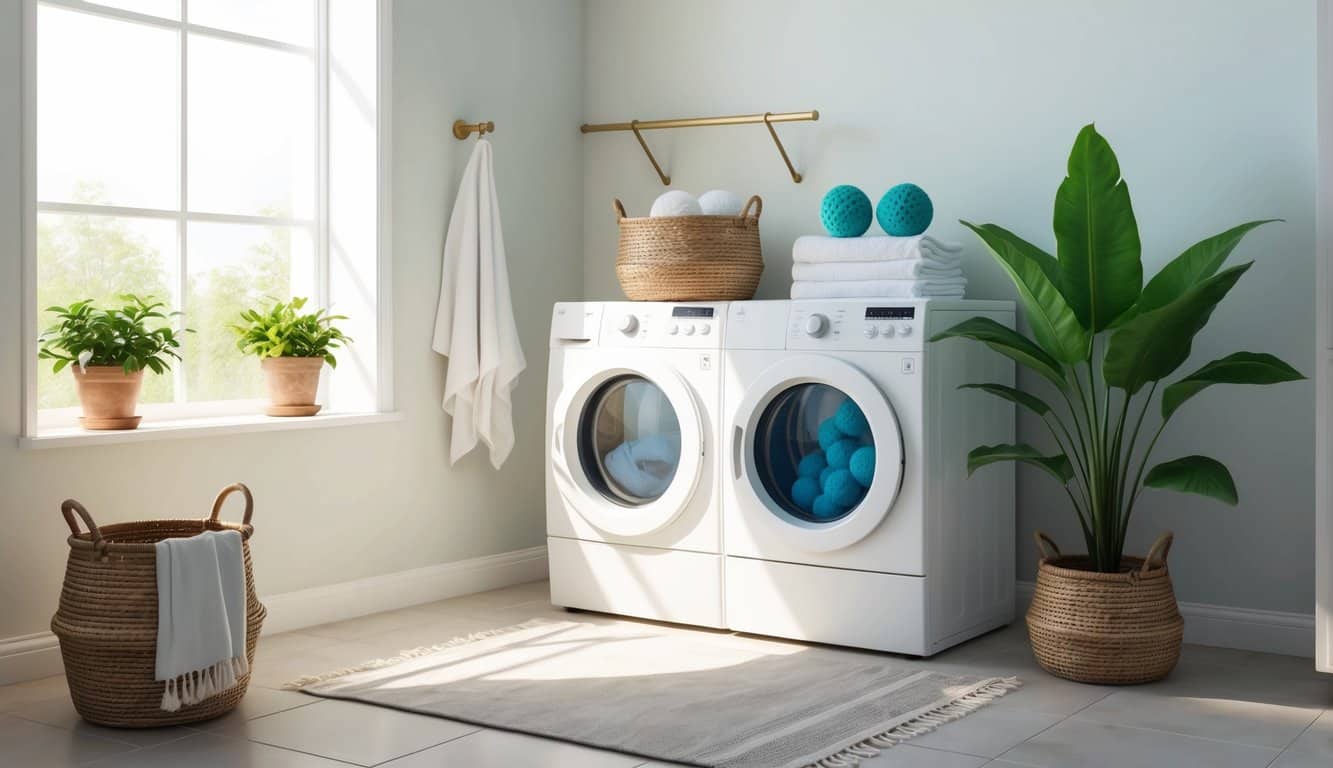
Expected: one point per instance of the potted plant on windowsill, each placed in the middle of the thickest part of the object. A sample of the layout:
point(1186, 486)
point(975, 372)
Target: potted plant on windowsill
point(292, 348)
point(1105, 342)
point(108, 350)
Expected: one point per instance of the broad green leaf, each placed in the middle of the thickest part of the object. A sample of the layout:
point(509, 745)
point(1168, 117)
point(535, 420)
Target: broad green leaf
point(1096, 236)
point(1238, 368)
point(1053, 322)
point(1197, 263)
point(1154, 344)
point(1058, 465)
point(1194, 474)
point(1018, 396)
point(1009, 343)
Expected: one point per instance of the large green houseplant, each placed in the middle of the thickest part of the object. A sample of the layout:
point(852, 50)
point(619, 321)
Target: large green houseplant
point(1105, 342)
point(108, 350)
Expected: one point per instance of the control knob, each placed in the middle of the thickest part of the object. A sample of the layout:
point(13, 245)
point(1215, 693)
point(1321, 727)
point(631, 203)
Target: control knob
point(628, 324)
point(816, 325)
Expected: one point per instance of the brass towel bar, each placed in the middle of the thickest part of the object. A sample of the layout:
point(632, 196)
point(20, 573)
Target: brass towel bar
point(462, 130)
point(767, 118)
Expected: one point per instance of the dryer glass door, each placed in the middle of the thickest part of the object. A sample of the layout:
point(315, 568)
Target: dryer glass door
point(817, 452)
point(627, 447)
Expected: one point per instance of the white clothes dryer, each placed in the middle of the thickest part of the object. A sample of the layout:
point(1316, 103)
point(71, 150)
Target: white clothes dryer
point(849, 516)
point(634, 525)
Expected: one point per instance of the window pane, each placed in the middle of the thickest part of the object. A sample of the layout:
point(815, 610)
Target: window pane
point(100, 258)
point(291, 21)
point(234, 267)
point(252, 130)
point(107, 119)
point(167, 9)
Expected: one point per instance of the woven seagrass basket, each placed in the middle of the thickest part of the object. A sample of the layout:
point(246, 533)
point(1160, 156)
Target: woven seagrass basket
point(1109, 628)
point(690, 258)
point(107, 620)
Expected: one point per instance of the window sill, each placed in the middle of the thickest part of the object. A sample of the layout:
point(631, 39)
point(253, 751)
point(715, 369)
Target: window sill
point(173, 429)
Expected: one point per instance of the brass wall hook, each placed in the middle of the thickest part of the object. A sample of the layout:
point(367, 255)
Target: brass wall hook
point(634, 126)
point(462, 130)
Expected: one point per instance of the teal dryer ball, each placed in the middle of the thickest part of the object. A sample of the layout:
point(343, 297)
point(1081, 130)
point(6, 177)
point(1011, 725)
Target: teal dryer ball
point(862, 465)
point(823, 475)
point(905, 211)
point(846, 211)
point(850, 421)
point(843, 489)
point(829, 433)
point(804, 491)
point(825, 508)
point(839, 454)
point(811, 464)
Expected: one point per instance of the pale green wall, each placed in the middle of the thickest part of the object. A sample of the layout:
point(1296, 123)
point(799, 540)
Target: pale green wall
point(339, 504)
point(1210, 105)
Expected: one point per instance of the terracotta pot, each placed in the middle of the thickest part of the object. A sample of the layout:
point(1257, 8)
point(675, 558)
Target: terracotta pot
point(292, 383)
point(1107, 628)
point(109, 396)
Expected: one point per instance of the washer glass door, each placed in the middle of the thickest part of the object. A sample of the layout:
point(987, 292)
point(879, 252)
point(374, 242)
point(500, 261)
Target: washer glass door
point(627, 447)
point(817, 453)
point(629, 441)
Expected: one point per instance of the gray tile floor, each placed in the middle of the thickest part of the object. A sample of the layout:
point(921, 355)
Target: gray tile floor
point(1219, 709)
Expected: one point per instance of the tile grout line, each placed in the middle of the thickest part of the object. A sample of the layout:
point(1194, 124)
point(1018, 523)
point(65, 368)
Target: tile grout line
point(1186, 735)
point(432, 746)
point(1066, 719)
point(1283, 751)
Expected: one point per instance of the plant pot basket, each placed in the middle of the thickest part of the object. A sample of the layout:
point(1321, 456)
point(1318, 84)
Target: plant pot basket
point(107, 620)
point(1107, 628)
point(690, 258)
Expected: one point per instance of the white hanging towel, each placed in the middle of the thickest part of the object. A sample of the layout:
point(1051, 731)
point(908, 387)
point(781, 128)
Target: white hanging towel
point(200, 616)
point(474, 325)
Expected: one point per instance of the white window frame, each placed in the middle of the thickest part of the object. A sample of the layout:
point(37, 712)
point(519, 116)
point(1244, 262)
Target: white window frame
point(216, 416)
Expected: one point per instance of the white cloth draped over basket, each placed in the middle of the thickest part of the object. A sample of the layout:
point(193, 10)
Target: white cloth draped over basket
point(201, 619)
point(474, 324)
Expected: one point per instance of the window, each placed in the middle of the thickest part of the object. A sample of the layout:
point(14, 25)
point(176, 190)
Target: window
point(200, 151)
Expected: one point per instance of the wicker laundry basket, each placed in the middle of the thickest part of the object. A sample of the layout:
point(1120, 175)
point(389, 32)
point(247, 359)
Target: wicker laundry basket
point(1108, 628)
point(107, 620)
point(690, 258)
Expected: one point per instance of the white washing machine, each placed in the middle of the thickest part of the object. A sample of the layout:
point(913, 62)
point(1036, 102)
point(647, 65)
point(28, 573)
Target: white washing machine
point(849, 515)
point(633, 520)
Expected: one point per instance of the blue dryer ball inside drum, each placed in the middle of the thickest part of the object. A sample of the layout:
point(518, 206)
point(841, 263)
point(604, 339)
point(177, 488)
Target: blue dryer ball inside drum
point(839, 454)
point(905, 211)
point(843, 489)
point(829, 434)
point(862, 465)
point(823, 476)
point(804, 491)
point(812, 464)
point(825, 509)
point(850, 421)
point(846, 211)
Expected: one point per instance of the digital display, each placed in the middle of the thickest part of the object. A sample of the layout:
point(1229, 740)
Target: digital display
point(691, 311)
point(890, 313)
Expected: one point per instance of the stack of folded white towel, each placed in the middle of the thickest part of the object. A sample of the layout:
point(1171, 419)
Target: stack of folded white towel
point(876, 267)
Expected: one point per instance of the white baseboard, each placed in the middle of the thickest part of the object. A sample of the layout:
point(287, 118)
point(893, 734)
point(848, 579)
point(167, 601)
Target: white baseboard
point(1246, 629)
point(29, 657)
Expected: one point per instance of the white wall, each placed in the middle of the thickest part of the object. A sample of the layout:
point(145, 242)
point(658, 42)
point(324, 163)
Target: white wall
point(344, 503)
point(1209, 105)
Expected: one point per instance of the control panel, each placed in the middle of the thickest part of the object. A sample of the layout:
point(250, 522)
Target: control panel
point(855, 325)
point(657, 324)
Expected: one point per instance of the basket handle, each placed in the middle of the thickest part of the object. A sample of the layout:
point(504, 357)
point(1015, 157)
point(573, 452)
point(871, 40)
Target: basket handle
point(620, 209)
point(754, 202)
point(1045, 546)
point(229, 490)
point(70, 507)
point(1163, 543)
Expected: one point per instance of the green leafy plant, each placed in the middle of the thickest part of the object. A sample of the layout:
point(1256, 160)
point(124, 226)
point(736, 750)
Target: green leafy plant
point(283, 331)
point(1105, 341)
point(88, 335)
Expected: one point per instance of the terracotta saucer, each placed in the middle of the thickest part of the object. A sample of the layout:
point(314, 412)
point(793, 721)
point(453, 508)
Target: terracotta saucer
point(292, 410)
point(125, 422)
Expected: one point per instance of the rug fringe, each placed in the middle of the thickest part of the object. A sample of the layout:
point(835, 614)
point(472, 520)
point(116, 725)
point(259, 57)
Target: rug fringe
point(985, 693)
point(425, 650)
